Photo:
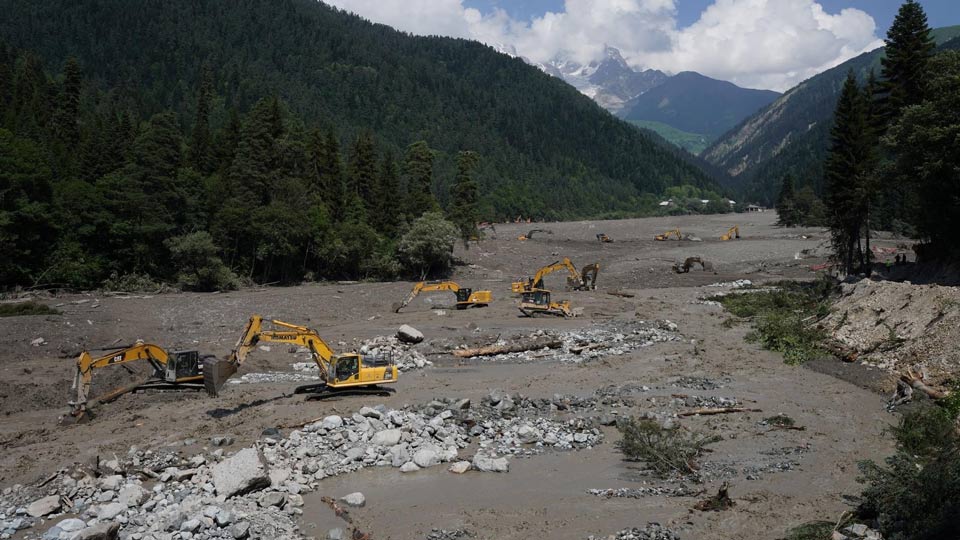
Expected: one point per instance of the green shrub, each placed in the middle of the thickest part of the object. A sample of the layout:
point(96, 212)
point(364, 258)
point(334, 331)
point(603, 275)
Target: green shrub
point(663, 450)
point(26, 308)
point(814, 530)
point(427, 248)
point(199, 268)
point(131, 283)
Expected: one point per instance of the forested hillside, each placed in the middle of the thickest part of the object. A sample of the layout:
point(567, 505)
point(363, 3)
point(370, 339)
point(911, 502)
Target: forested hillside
point(791, 135)
point(271, 140)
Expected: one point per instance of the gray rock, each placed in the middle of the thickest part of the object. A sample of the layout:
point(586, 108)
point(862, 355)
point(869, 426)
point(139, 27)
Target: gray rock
point(490, 463)
point(106, 496)
point(190, 526)
point(356, 499)
point(399, 456)
point(44, 506)
point(221, 440)
point(100, 531)
point(335, 534)
point(426, 457)
point(71, 525)
point(294, 500)
point(239, 530)
point(110, 511)
point(409, 334)
point(460, 467)
point(241, 473)
point(111, 482)
point(224, 518)
point(332, 422)
point(462, 404)
point(409, 467)
point(133, 495)
point(53, 533)
point(387, 437)
point(370, 412)
point(173, 520)
point(272, 498)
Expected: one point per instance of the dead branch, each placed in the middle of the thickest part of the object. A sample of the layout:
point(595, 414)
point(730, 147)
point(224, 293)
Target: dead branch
point(916, 381)
point(580, 348)
point(492, 350)
point(621, 294)
point(722, 410)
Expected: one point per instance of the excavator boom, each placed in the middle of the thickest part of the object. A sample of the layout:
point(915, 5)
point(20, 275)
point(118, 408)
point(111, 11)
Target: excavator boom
point(465, 297)
point(575, 280)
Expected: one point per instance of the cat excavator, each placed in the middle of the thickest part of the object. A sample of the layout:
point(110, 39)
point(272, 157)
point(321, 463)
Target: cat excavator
point(578, 281)
point(529, 235)
point(537, 302)
point(349, 373)
point(666, 236)
point(466, 298)
point(170, 370)
point(734, 232)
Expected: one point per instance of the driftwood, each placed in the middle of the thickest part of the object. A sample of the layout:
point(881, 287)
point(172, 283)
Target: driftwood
point(580, 348)
point(621, 294)
point(720, 501)
point(722, 410)
point(492, 350)
point(915, 380)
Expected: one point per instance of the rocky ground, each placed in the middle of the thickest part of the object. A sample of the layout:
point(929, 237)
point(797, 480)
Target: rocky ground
point(512, 446)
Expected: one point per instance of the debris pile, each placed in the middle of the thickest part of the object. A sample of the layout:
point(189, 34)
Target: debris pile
point(653, 531)
point(645, 491)
point(895, 325)
point(856, 531)
point(402, 353)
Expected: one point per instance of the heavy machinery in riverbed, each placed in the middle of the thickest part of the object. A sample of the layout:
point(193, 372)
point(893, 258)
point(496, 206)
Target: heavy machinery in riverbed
point(537, 302)
point(733, 232)
point(348, 373)
point(169, 370)
point(585, 280)
point(466, 298)
point(529, 235)
point(666, 236)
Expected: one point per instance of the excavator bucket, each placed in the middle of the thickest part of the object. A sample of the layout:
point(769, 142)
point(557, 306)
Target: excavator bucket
point(216, 372)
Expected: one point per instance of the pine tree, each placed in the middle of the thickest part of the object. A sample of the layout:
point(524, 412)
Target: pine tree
point(326, 170)
point(68, 107)
point(362, 175)
point(786, 203)
point(387, 214)
point(847, 176)
point(463, 210)
point(418, 176)
point(201, 146)
point(909, 47)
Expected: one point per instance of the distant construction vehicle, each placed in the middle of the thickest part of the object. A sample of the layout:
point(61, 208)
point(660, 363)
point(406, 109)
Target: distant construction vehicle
point(578, 281)
point(666, 236)
point(349, 373)
point(603, 238)
point(537, 302)
point(529, 235)
point(734, 232)
point(170, 370)
point(685, 266)
point(466, 298)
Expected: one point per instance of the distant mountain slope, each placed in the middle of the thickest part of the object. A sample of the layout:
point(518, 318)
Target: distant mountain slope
point(792, 133)
point(691, 142)
point(547, 150)
point(697, 104)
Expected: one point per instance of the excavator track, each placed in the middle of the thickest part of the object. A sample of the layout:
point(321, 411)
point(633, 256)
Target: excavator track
point(322, 391)
point(535, 312)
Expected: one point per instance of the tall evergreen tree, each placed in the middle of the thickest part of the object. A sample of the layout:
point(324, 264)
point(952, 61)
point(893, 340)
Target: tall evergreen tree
point(68, 106)
point(388, 198)
point(846, 175)
point(463, 208)
point(201, 145)
point(418, 177)
point(786, 203)
point(362, 176)
point(909, 47)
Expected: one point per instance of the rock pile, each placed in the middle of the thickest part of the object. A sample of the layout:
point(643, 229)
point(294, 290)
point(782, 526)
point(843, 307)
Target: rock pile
point(645, 491)
point(653, 531)
point(402, 353)
point(857, 530)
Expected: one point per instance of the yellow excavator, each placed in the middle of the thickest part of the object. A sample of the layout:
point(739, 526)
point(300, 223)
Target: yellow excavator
point(734, 232)
point(530, 234)
point(349, 373)
point(604, 239)
point(170, 370)
point(537, 302)
point(466, 298)
point(578, 281)
point(666, 236)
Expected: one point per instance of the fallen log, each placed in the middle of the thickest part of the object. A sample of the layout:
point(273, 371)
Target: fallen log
point(915, 380)
point(580, 348)
point(492, 350)
point(722, 410)
point(621, 294)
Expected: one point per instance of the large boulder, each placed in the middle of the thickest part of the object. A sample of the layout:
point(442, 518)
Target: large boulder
point(241, 473)
point(491, 464)
point(355, 499)
point(44, 506)
point(387, 437)
point(409, 334)
point(133, 495)
point(100, 531)
point(110, 511)
point(426, 457)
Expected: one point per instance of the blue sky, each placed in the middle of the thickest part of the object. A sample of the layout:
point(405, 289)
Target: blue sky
point(939, 12)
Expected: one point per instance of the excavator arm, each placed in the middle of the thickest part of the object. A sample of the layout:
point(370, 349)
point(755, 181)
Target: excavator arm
point(423, 286)
point(733, 232)
point(87, 363)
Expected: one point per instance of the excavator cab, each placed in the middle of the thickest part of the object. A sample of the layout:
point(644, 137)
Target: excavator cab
point(538, 302)
point(182, 364)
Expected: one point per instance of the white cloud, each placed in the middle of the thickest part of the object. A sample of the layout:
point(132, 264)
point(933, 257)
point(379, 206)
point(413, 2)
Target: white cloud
point(754, 43)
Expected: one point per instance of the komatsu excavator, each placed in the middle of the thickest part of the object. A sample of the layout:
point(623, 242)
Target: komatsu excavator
point(666, 236)
point(578, 281)
point(349, 373)
point(177, 370)
point(734, 232)
point(466, 298)
point(529, 235)
point(537, 302)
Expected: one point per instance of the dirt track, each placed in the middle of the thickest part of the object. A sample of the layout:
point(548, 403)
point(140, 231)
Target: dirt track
point(542, 493)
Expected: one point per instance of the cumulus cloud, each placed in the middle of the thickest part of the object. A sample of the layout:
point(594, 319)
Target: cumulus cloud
point(754, 43)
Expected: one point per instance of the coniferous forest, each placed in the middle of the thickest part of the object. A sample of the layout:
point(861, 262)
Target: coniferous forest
point(276, 140)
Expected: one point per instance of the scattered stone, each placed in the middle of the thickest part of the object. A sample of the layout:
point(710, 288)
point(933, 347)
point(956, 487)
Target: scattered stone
point(240, 530)
point(409, 334)
point(110, 511)
point(336, 534)
point(44, 506)
point(332, 422)
point(387, 437)
point(409, 467)
point(426, 458)
point(272, 498)
point(356, 500)
point(100, 531)
point(460, 467)
point(491, 464)
point(242, 473)
point(133, 495)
